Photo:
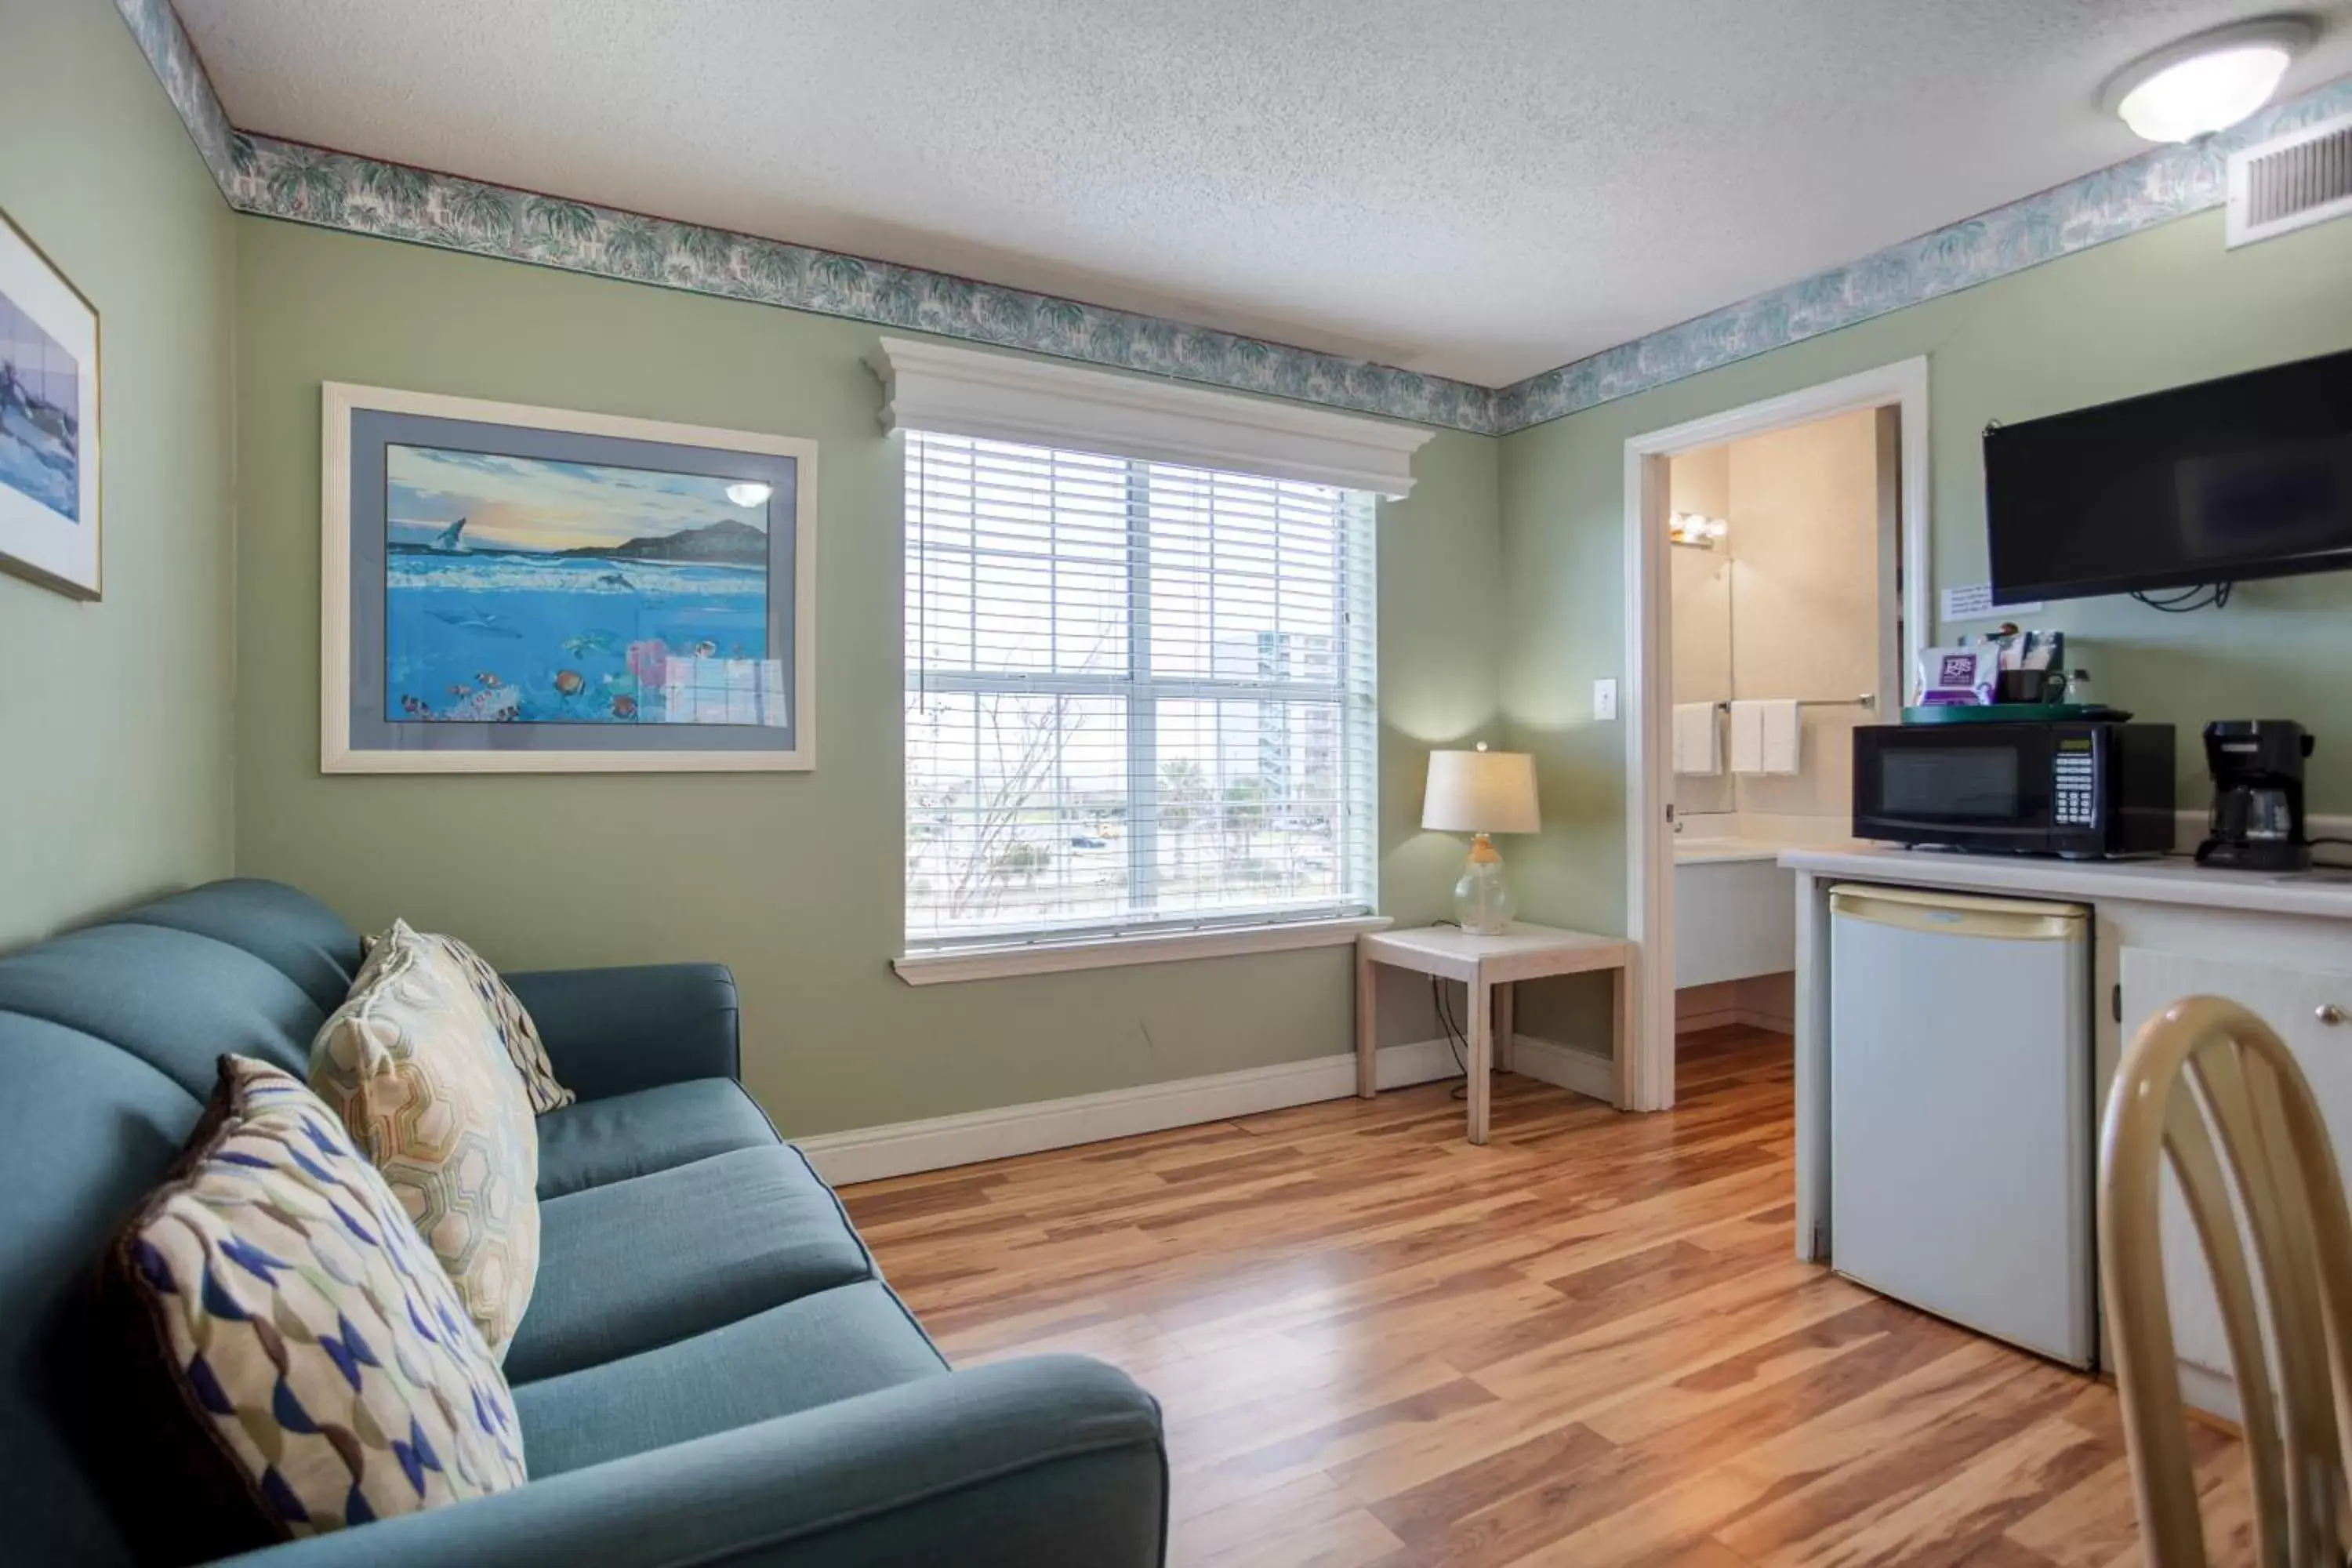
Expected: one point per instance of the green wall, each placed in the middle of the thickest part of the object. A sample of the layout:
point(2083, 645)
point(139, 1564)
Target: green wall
point(115, 717)
point(1501, 601)
point(2164, 306)
point(792, 879)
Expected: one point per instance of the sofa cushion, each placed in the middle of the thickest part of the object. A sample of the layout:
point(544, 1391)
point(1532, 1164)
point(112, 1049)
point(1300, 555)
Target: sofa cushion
point(284, 927)
point(634, 1265)
point(834, 1345)
point(289, 1358)
point(413, 1067)
point(173, 999)
point(644, 1131)
point(85, 1129)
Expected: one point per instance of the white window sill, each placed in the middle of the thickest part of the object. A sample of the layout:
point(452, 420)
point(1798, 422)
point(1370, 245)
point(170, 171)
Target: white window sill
point(1114, 951)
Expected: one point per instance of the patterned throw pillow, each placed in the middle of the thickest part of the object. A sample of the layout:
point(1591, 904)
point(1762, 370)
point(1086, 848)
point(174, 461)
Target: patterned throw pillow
point(410, 1064)
point(295, 1360)
point(517, 1033)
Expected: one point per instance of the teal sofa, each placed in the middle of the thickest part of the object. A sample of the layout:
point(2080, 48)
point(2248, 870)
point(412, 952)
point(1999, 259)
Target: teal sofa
point(711, 1371)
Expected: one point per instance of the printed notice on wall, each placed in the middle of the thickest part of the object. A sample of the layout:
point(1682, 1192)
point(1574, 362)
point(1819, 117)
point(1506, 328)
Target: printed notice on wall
point(1973, 602)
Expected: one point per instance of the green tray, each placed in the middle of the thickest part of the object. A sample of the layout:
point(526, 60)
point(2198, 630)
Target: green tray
point(2015, 713)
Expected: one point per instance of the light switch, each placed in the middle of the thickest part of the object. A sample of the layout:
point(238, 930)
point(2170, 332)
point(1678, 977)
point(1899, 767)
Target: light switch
point(1604, 699)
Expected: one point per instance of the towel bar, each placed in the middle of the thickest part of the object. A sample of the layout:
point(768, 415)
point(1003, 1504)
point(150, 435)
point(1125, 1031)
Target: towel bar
point(1867, 700)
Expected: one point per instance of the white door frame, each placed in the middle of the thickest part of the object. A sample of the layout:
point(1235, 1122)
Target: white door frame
point(1649, 836)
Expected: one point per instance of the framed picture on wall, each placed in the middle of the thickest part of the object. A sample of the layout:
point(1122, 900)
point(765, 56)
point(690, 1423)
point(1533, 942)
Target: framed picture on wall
point(508, 589)
point(48, 422)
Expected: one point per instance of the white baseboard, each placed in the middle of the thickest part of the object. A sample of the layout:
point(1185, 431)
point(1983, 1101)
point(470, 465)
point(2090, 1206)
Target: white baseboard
point(900, 1149)
point(1592, 1073)
point(1716, 1018)
point(2214, 1392)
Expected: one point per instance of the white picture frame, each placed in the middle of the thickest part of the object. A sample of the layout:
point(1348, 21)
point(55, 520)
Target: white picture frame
point(51, 522)
point(346, 727)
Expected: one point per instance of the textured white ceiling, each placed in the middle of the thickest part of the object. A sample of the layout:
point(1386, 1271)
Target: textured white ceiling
point(1477, 188)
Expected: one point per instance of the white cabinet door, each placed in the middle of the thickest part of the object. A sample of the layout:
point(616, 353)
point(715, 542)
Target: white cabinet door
point(2290, 1001)
point(1733, 918)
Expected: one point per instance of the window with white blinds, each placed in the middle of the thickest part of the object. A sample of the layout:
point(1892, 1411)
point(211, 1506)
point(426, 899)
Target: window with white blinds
point(1139, 696)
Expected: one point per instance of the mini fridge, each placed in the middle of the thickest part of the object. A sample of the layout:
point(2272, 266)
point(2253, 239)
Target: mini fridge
point(1960, 1135)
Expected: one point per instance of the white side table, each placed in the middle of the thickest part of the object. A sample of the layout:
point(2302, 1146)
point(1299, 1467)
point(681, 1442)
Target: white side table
point(1489, 966)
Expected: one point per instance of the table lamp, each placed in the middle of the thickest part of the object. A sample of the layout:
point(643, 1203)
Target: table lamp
point(1479, 793)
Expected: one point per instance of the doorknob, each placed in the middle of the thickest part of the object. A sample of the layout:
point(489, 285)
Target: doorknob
point(2329, 1014)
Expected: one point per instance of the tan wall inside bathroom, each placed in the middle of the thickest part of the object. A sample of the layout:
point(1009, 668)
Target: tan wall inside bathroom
point(1700, 618)
point(1804, 538)
point(1787, 605)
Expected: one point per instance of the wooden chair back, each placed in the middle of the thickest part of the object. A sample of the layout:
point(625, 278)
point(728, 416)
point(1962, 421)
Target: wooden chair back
point(2213, 1088)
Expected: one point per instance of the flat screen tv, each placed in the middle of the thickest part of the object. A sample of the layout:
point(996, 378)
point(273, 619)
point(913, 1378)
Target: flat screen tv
point(2250, 475)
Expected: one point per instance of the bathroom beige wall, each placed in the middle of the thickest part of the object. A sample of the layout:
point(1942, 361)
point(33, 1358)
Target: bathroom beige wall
point(1804, 598)
point(1786, 606)
point(1700, 482)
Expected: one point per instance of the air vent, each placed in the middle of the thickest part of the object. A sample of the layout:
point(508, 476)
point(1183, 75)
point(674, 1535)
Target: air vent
point(2291, 182)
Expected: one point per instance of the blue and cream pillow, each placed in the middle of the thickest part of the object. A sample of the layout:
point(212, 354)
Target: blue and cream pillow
point(294, 1359)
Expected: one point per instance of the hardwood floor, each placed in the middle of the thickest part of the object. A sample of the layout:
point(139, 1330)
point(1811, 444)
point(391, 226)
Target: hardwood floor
point(1587, 1342)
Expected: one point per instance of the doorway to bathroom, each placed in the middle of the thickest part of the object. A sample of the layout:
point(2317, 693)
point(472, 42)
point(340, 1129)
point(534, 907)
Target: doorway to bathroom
point(1772, 601)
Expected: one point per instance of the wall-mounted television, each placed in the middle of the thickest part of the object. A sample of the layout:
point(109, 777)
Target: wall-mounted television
point(2250, 475)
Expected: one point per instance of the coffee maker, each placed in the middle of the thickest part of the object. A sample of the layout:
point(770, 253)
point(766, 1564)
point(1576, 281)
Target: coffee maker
point(2257, 822)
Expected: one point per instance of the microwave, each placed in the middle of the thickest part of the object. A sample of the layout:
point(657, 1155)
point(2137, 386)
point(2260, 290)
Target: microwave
point(2088, 791)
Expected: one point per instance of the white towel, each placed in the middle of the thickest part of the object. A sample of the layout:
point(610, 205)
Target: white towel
point(1765, 737)
point(1784, 730)
point(1696, 749)
point(1747, 738)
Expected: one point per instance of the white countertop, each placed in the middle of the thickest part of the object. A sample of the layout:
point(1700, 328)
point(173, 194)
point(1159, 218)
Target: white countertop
point(1695, 849)
point(1521, 938)
point(2173, 880)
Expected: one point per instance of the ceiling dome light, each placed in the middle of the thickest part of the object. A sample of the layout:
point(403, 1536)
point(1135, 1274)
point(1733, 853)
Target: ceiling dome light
point(2206, 83)
point(749, 492)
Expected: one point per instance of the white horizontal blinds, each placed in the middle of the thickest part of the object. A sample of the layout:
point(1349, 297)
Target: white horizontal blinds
point(1138, 695)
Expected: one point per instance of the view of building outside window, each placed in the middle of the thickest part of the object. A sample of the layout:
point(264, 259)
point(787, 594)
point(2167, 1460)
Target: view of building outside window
point(1136, 694)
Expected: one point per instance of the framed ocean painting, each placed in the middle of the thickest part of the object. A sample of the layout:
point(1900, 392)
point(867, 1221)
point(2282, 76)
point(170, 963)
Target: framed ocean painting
point(508, 589)
point(48, 422)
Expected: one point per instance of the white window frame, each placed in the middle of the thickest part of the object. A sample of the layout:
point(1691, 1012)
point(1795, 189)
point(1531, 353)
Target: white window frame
point(961, 391)
point(1138, 933)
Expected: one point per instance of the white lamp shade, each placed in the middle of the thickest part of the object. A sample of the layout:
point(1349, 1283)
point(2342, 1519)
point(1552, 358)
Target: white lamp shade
point(1480, 792)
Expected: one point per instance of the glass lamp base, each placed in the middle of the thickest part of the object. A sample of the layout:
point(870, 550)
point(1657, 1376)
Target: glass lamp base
point(1482, 898)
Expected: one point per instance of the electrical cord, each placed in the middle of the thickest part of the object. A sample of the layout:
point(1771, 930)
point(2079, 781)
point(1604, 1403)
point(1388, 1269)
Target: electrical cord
point(2317, 865)
point(1454, 1036)
point(2215, 596)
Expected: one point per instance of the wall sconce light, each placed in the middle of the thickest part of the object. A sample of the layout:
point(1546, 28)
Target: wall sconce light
point(1698, 533)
